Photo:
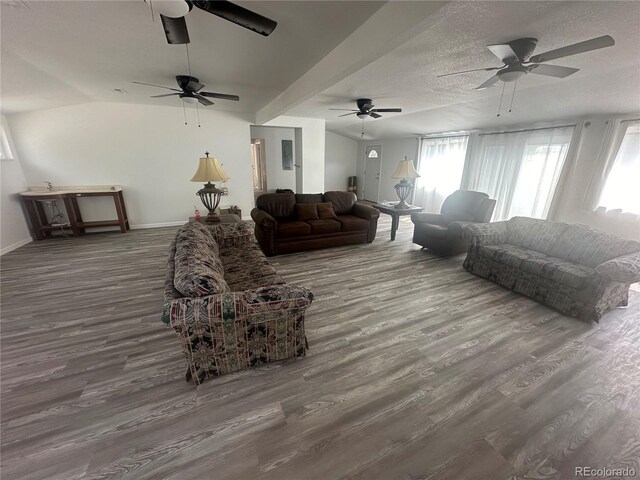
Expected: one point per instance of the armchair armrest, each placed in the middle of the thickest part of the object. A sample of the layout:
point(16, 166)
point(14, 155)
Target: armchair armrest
point(486, 233)
point(232, 234)
point(365, 211)
point(421, 217)
point(456, 229)
point(263, 219)
point(624, 269)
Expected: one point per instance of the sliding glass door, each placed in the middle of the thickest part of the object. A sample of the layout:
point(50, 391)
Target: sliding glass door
point(440, 166)
point(520, 170)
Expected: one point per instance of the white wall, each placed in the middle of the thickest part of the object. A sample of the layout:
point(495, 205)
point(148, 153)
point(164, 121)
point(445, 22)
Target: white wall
point(311, 149)
point(147, 149)
point(341, 158)
point(13, 228)
point(273, 136)
point(393, 151)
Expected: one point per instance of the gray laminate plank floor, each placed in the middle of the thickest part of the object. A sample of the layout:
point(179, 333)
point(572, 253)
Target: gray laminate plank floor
point(416, 369)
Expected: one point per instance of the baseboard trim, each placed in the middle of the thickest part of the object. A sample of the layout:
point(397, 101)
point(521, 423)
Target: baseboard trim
point(16, 245)
point(141, 226)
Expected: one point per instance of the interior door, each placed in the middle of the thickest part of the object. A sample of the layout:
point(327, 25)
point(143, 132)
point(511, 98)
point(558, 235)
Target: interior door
point(372, 163)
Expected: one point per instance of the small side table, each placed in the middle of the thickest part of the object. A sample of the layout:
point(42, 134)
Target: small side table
point(224, 218)
point(396, 213)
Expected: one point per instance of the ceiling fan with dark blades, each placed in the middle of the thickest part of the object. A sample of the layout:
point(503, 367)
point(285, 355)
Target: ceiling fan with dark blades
point(517, 60)
point(190, 91)
point(172, 14)
point(366, 109)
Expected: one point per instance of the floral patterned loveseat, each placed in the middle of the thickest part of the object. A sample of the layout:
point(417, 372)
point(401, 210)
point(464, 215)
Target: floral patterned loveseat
point(229, 307)
point(577, 270)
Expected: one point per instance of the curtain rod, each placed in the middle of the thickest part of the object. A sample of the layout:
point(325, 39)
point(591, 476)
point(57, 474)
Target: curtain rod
point(527, 130)
point(631, 120)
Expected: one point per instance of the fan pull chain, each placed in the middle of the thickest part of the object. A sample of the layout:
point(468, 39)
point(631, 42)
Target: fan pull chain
point(501, 97)
point(513, 94)
point(362, 134)
point(197, 113)
point(188, 58)
point(185, 113)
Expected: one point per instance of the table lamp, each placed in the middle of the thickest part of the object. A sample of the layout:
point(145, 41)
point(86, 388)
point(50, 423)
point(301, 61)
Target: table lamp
point(404, 171)
point(210, 170)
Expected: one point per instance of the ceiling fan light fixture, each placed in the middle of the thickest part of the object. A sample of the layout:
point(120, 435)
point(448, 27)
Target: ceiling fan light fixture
point(512, 74)
point(171, 8)
point(362, 115)
point(188, 99)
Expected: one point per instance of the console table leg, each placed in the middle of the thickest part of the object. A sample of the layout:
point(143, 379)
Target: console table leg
point(71, 212)
point(34, 219)
point(121, 214)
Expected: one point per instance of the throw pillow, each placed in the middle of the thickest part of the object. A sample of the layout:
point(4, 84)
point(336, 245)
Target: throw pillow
point(306, 211)
point(325, 211)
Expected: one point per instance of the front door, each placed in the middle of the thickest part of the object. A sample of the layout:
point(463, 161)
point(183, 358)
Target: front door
point(372, 163)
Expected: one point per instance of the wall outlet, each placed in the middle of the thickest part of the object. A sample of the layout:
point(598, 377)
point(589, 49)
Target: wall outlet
point(225, 191)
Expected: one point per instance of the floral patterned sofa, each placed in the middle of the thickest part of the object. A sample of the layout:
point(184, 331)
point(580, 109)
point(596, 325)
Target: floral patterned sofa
point(577, 270)
point(229, 307)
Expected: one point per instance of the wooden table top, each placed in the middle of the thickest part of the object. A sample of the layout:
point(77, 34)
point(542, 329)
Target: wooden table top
point(392, 210)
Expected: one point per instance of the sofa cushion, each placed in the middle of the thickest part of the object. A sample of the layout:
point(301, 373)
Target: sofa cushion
point(533, 233)
point(342, 201)
point(278, 205)
point(325, 211)
point(351, 223)
point(198, 269)
point(309, 198)
point(293, 228)
point(432, 230)
point(558, 270)
point(306, 211)
point(508, 254)
point(324, 226)
point(586, 246)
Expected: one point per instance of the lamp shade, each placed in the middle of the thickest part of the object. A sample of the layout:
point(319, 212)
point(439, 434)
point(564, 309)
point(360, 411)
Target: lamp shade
point(210, 170)
point(405, 170)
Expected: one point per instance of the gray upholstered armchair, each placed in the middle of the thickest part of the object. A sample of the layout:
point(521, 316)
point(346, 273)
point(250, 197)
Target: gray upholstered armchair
point(442, 232)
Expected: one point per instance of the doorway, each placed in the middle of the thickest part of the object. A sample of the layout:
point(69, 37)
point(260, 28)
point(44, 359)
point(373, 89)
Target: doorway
point(372, 164)
point(259, 164)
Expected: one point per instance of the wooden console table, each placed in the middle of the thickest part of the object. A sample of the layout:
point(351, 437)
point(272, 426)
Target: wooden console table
point(40, 225)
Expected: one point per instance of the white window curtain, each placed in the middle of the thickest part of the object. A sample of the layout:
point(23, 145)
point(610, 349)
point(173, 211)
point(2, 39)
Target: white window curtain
point(520, 170)
point(440, 165)
point(621, 187)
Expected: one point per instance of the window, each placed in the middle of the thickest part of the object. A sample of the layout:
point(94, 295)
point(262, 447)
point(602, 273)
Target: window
point(620, 189)
point(440, 166)
point(373, 153)
point(520, 170)
point(5, 151)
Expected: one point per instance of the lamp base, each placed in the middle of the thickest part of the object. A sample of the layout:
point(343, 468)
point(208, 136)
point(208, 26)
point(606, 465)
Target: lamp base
point(403, 190)
point(212, 217)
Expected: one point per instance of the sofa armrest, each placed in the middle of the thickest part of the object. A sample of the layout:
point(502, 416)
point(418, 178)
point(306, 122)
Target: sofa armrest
point(263, 219)
point(232, 234)
point(231, 331)
point(421, 217)
point(365, 211)
point(624, 269)
point(486, 233)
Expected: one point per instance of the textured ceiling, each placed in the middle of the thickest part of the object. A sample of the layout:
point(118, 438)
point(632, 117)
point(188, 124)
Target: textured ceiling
point(608, 82)
point(63, 52)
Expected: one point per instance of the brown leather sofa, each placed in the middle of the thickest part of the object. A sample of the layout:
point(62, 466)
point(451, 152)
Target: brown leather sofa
point(286, 223)
point(442, 233)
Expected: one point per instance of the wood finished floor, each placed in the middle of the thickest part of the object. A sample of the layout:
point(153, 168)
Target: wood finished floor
point(417, 370)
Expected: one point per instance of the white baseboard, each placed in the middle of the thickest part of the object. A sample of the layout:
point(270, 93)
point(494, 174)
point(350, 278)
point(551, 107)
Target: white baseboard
point(141, 226)
point(16, 245)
